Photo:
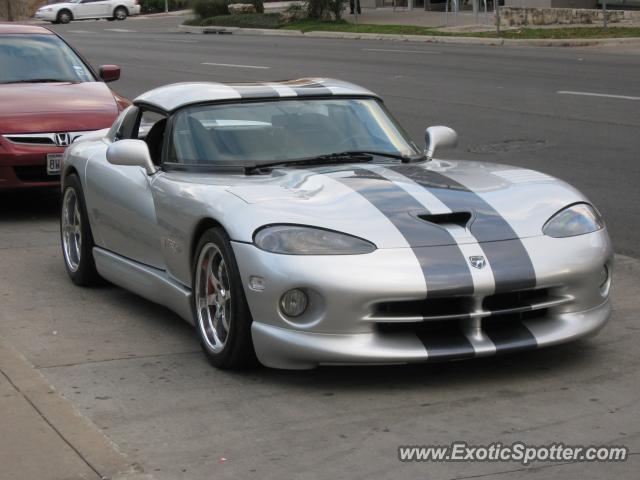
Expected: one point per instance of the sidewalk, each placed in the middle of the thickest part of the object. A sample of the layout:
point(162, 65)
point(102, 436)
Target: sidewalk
point(44, 436)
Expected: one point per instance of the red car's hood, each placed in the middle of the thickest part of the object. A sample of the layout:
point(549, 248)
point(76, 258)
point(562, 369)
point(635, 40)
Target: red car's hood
point(56, 107)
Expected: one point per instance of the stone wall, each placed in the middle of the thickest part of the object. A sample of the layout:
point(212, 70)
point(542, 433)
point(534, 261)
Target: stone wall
point(551, 3)
point(19, 9)
point(552, 16)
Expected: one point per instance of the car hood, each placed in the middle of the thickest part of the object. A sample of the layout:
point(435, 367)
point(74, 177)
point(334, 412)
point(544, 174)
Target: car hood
point(56, 107)
point(396, 205)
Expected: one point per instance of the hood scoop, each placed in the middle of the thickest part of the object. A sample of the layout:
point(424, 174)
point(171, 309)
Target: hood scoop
point(458, 219)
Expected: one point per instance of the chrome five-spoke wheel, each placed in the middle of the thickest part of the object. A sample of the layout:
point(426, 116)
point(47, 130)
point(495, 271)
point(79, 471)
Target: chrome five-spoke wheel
point(71, 229)
point(213, 297)
point(75, 235)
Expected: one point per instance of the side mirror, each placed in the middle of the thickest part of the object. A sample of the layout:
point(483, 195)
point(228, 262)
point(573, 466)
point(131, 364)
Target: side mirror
point(439, 137)
point(109, 73)
point(132, 153)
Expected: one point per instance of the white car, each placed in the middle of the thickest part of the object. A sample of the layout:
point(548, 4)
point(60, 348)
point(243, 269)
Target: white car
point(88, 9)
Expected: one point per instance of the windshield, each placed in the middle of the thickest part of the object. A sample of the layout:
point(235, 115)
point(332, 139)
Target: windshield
point(264, 132)
point(40, 58)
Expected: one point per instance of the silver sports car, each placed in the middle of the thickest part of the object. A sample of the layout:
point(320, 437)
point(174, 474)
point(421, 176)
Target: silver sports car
point(297, 223)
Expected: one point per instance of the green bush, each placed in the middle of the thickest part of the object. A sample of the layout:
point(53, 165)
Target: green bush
point(211, 8)
point(322, 9)
point(243, 20)
point(155, 6)
point(259, 4)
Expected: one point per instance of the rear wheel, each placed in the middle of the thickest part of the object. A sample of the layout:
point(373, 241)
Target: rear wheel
point(64, 16)
point(120, 13)
point(76, 237)
point(221, 312)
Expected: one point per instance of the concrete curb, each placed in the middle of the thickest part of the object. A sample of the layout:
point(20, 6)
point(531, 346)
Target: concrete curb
point(415, 38)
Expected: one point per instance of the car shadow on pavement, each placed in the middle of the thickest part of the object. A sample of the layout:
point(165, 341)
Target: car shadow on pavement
point(29, 205)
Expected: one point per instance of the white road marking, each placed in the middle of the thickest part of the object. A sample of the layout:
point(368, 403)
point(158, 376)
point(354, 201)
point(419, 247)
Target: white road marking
point(433, 52)
point(120, 30)
point(172, 41)
point(79, 31)
point(591, 94)
point(233, 65)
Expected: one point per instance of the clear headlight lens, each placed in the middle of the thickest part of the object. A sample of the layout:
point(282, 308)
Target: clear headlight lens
point(575, 220)
point(299, 240)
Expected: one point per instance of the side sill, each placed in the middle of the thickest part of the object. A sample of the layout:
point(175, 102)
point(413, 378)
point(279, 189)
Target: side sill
point(148, 282)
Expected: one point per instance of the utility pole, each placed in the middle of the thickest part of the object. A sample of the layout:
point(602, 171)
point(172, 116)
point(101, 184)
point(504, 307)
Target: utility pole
point(497, 9)
point(604, 14)
point(166, 6)
point(9, 13)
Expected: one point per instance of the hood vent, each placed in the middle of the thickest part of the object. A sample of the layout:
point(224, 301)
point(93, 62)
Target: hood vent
point(460, 219)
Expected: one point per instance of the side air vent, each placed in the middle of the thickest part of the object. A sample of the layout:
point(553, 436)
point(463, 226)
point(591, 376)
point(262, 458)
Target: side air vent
point(460, 219)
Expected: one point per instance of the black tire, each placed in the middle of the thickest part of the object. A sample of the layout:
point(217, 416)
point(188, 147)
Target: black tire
point(82, 270)
point(64, 16)
point(237, 350)
point(120, 13)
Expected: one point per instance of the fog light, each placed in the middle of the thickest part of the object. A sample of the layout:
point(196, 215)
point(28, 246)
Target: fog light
point(294, 302)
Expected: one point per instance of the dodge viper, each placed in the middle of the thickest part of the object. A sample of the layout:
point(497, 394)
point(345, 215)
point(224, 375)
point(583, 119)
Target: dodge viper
point(296, 223)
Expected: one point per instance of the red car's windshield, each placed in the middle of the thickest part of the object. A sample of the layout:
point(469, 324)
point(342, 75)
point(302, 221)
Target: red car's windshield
point(40, 58)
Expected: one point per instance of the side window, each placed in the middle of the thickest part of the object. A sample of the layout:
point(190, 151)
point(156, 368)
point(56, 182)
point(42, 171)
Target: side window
point(117, 130)
point(151, 130)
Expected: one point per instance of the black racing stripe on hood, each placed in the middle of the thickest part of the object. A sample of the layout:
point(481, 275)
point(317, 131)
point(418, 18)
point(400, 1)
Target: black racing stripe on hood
point(511, 265)
point(508, 337)
point(444, 267)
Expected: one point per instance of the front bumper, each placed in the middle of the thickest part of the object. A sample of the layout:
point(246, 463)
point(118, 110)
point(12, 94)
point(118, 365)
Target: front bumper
point(25, 166)
point(284, 348)
point(47, 16)
point(135, 10)
point(343, 323)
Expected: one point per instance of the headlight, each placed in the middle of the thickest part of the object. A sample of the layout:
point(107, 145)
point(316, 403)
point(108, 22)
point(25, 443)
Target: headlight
point(298, 240)
point(45, 10)
point(575, 220)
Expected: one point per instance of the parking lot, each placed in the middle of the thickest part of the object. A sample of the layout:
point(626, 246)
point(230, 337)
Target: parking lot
point(135, 370)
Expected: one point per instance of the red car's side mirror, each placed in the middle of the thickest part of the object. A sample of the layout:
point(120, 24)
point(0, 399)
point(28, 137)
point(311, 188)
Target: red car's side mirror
point(109, 73)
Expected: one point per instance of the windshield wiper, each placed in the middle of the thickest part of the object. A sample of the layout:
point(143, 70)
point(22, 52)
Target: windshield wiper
point(42, 80)
point(397, 156)
point(350, 156)
point(341, 157)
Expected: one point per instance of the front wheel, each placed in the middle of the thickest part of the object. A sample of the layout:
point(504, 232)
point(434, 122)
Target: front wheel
point(75, 235)
point(221, 312)
point(64, 17)
point(120, 13)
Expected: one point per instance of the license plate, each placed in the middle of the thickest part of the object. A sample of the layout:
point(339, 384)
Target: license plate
point(54, 160)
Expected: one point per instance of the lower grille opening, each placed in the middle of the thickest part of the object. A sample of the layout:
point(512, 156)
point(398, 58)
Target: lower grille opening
point(432, 307)
point(509, 300)
point(34, 173)
point(448, 308)
point(454, 327)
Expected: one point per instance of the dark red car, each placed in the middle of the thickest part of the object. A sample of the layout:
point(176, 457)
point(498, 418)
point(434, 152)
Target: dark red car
point(49, 96)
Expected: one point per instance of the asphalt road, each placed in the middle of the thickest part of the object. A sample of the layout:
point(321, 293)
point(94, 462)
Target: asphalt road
point(135, 370)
